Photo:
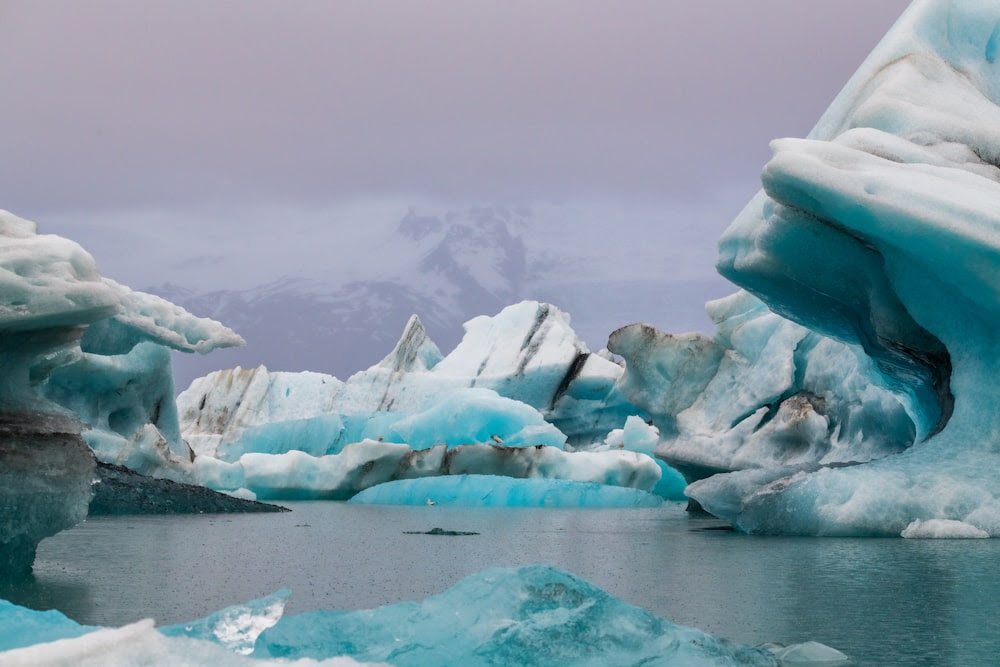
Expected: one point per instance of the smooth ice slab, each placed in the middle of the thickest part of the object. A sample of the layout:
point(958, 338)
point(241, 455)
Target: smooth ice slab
point(495, 491)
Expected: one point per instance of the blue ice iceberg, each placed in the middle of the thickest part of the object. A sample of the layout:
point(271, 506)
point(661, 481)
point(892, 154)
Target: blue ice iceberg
point(520, 396)
point(235, 628)
point(882, 230)
point(296, 475)
point(80, 354)
point(497, 491)
point(764, 392)
point(24, 627)
point(535, 615)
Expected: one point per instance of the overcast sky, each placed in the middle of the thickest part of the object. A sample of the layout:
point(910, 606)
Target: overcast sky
point(166, 127)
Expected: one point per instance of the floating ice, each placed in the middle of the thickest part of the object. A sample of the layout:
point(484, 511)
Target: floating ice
point(534, 615)
point(879, 230)
point(140, 644)
point(516, 381)
point(762, 393)
point(236, 628)
point(80, 353)
point(24, 627)
point(942, 529)
point(638, 436)
point(807, 653)
point(495, 491)
point(477, 416)
point(297, 475)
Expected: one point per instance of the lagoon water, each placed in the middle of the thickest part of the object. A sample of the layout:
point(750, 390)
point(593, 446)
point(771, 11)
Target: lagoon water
point(881, 601)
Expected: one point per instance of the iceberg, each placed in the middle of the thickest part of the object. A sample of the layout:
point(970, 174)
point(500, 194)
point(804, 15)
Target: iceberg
point(534, 615)
point(762, 393)
point(24, 627)
point(85, 363)
point(942, 529)
point(296, 475)
point(497, 491)
point(519, 396)
point(880, 230)
point(236, 628)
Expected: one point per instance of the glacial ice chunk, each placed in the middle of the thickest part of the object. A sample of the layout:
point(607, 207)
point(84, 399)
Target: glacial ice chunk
point(81, 354)
point(942, 529)
point(140, 644)
point(477, 416)
point(296, 475)
point(762, 393)
point(24, 627)
point(496, 491)
point(638, 436)
point(533, 615)
point(515, 381)
point(881, 230)
point(236, 628)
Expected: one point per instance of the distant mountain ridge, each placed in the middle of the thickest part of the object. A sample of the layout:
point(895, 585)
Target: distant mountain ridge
point(467, 263)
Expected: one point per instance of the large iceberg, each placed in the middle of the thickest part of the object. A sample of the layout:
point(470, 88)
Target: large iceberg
point(882, 230)
point(521, 396)
point(81, 355)
point(535, 615)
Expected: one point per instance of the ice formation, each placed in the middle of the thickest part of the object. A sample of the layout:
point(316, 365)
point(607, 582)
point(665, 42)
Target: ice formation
point(80, 353)
point(881, 230)
point(236, 628)
point(528, 616)
point(535, 615)
point(947, 529)
point(763, 393)
point(498, 491)
point(520, 396)
point(296, 475)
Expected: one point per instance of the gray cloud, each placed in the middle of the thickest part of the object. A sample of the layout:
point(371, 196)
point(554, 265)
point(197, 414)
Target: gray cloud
point(111, 104)
point(223, 145)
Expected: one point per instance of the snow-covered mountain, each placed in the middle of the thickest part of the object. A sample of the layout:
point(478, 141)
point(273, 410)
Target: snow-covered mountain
point(447, 268)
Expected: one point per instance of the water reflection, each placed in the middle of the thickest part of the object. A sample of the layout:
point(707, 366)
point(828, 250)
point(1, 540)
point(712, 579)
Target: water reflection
point(47, 591)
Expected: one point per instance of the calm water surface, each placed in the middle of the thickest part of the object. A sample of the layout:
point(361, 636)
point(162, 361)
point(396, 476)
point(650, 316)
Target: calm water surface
point(882, 601)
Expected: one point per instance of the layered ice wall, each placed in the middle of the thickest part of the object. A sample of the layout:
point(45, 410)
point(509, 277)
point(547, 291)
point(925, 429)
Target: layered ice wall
point(517, 397)
point(49, 292)
point(78, 353)
point(883, 230)
point(764, 392)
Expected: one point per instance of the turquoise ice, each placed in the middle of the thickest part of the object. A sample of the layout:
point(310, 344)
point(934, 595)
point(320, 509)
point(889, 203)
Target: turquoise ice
point(882, 229)
point(498, 491)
